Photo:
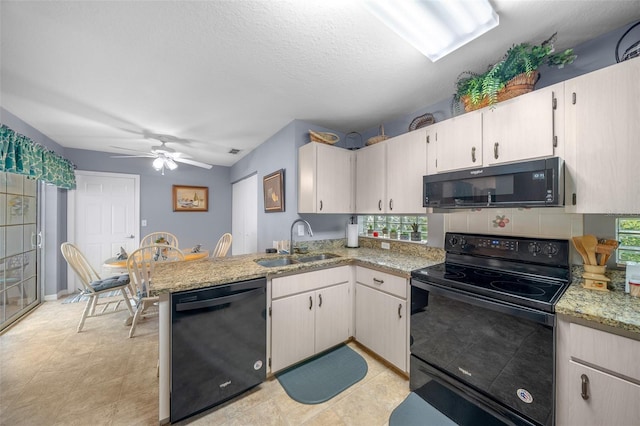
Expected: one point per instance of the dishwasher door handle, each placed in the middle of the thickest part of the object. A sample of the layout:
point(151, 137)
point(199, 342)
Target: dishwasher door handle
point(217, 301)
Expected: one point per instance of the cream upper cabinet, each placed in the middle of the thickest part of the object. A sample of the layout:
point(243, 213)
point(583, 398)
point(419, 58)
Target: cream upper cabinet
point(406, 165)
point(525, 127)
point(594, 387)
point(389, 175)
point(325, 179)
point(459, 142)
point(603, 149)
point(371, 166)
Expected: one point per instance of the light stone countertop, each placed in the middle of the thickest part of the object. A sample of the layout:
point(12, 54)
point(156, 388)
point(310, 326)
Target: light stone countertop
point(614, 309)
point(173, 277)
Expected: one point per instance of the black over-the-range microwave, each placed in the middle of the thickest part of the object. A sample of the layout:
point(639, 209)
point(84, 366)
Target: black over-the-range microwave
point(535, 183)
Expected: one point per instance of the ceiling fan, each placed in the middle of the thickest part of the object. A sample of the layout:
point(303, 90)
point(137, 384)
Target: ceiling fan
point(164, 157)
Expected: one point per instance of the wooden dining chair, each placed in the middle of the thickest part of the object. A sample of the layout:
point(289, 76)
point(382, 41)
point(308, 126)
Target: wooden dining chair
point(94, 286)
point(222, 247)
point(159, 238)
point(141, 266)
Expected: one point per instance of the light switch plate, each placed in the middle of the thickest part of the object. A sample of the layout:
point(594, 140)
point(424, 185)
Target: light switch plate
point(300, 230)
point(385, 246)
point(144, 222)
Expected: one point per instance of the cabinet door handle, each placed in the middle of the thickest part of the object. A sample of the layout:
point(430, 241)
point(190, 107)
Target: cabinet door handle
point(378, 281)
point(380, 205)
point(391, 204)
point(473, 154)
point(585, 387)
point(495, 150)
point(310, 303)
point(400, 310)
point(320, 300)
point(320, 205)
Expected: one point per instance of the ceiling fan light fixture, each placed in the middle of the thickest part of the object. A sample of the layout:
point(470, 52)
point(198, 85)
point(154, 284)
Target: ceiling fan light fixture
point(171, 165)
point(436, 27)
point(158, 164)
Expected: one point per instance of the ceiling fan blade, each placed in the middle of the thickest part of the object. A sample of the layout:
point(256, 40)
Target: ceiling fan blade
point(134, 156)
point(129, 149)
point(193, 163)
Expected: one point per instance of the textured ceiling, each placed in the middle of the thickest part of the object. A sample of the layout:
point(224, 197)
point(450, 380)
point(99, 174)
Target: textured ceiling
point(215, 75)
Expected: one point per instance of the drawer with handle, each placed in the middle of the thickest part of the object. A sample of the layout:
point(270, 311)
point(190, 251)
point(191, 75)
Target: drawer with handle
point(382, 281)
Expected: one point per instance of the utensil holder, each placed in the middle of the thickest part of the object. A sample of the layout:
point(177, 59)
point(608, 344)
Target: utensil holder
point(594, 277)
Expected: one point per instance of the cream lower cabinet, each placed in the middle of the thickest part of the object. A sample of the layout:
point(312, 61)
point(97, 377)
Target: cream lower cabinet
point(381, 315)
point(602, 130)
point(598, 377)
point(310, 312)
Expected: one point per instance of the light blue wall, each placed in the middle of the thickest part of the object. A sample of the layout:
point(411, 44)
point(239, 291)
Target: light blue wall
point(191, 228)
point(280, 151)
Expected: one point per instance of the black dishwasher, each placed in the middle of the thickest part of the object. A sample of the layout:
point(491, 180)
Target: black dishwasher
point(218, 344)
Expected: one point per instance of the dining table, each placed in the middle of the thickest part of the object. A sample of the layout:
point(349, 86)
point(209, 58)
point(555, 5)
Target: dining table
point(115, 264)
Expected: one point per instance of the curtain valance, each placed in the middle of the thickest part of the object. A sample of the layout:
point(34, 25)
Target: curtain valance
point(19, 154)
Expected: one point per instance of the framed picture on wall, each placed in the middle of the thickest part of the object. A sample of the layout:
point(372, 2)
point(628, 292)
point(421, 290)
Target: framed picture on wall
point(273, 186)
point(190, 198)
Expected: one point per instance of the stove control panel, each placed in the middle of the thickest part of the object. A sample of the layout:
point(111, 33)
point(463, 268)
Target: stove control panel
point(539, 250)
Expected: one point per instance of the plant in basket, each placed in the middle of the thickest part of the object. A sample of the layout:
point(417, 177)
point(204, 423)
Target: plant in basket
point(515, 74)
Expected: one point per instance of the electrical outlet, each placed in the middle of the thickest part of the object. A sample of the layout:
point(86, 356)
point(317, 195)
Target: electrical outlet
point(386, 246)
point(300, 230)
point(144, 222)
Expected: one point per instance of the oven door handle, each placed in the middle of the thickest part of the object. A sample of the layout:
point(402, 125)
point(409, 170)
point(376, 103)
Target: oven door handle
point(539, 317)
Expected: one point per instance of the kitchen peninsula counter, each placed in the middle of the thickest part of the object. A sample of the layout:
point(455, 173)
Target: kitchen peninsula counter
point(180, 276)
point(614, 311)
point(172, 277)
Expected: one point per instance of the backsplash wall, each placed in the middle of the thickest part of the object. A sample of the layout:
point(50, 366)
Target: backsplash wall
point(535, 222)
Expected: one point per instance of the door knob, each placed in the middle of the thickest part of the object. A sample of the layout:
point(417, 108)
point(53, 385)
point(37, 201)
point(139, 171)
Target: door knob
point(131, 236)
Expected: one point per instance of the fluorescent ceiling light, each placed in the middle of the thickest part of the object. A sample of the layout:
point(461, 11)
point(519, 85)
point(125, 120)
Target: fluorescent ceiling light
point(436, 27)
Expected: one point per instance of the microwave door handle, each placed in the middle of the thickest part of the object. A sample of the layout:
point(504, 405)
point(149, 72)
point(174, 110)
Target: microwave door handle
point(488, 198)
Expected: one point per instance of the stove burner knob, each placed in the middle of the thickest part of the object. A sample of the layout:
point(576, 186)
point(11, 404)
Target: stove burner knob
point(534, 248)
point(453, 241)
point(550, 249)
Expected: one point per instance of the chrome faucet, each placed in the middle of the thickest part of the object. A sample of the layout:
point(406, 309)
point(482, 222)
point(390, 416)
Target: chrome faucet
point(291, 250)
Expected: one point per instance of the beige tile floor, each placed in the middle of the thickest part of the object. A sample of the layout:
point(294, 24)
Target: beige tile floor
point(51, 375)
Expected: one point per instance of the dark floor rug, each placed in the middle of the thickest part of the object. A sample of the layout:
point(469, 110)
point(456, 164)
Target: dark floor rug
point(415, 411)
point(323, 377)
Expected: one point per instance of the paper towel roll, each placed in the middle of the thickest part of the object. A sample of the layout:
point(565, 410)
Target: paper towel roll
point(352, 235)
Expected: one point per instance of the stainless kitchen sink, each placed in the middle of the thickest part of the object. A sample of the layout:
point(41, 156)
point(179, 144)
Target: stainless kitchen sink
point(279, 261)
point(315, 257)
point(287, 260)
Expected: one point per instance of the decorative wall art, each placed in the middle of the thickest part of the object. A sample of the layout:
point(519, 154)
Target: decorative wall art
point(273, 185)
point(190, 198)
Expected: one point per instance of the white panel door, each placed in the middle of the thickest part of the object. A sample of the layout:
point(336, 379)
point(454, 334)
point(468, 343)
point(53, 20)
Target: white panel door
point(244, 222)
point(105, 212)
